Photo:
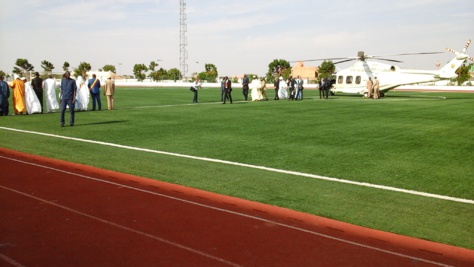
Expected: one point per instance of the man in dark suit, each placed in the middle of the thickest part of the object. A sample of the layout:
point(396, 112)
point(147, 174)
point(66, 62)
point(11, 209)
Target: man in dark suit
point(322, 87)
point(37, 84)
point(245, 87)
point(68, 97)
point(227, 89)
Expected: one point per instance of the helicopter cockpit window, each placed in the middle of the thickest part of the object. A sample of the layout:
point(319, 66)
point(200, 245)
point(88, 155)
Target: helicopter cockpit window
point(358, 79)
point(349, 79)
point(340, 79)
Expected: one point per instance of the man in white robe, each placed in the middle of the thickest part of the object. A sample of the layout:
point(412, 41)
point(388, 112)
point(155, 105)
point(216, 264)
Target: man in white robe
point(31, 100)
point(49, 86)
point(255, 86)
point(82, 97)
point(282, 93)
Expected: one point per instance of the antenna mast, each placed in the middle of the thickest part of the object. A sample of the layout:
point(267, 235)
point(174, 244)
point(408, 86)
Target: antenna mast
point(183, 42)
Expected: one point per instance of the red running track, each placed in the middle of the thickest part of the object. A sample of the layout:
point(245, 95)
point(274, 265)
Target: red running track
point(56, 213)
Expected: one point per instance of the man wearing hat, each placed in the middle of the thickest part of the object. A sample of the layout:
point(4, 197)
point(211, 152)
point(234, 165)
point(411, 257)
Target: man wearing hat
point(109, 90)
point(37, 84)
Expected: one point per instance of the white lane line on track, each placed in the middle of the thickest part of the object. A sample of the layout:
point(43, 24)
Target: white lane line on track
point(200, 205)
point(171, 243)
point(313, 176)
point(10, 261)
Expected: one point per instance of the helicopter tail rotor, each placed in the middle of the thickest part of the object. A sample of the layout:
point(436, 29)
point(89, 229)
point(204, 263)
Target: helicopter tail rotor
point(466, 46)
point(463, 50)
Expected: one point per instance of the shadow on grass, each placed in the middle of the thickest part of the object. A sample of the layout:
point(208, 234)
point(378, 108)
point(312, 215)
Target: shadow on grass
point(100, 122)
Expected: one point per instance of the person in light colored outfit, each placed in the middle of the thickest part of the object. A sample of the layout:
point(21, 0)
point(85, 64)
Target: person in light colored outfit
point(49, 86)
point(109, 91)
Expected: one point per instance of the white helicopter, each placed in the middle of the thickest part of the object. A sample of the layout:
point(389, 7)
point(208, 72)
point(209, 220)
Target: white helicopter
point(353, 79)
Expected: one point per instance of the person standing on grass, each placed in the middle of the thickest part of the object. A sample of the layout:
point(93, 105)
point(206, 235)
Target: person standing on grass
point(196, 86)
point(37, 84)
point(68, 98)
point(370, 86)
point(263, 88)
point(109, 91)
point(276, 85)
point(94, 88)
point(222, 89)
point(282, 93)
point(291, 86)
point(255, 86)
point(376, 88)
point(49, 86)
point(18, 98)
point(299, 88)
point(227, 89)
point(4, 95)
point(245, 87)
point(321, 85)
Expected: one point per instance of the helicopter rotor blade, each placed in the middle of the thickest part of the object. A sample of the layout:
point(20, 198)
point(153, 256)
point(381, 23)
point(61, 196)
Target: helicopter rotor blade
point(342, 61)
point(452, 51)
point(320, 59)
point(420, 53)
point(391, 60)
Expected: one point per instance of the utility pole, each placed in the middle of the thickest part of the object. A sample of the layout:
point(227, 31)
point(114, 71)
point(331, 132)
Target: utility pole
point(183, 42)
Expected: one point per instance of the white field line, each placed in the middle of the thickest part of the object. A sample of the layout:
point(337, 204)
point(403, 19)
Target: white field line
point(313, 176)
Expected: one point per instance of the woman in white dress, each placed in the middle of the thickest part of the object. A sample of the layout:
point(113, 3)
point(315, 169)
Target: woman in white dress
point(282, 93)
point(31, 100)
point(49, 86)
point(82, 96)
point(255, 86)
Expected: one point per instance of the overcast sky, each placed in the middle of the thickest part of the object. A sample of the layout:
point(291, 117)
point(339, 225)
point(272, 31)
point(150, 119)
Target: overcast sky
point(237, 36)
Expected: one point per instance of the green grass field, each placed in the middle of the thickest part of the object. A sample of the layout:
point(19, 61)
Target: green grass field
point(416, 141)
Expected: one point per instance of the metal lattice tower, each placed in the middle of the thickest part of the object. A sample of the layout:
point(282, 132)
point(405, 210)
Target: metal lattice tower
point(183, 42)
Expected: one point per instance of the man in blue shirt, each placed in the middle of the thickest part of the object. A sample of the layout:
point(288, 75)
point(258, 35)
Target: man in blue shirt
point(94, 87)
point(68, 97)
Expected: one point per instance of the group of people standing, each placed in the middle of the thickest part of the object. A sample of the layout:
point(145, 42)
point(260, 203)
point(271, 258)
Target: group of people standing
point(70, 97)
point(291, 89)
point(373, 88)
point(28, 98)
point(324, 86)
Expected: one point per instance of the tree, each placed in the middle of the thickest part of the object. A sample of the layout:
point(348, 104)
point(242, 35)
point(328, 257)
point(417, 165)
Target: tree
point(326, 69)
point(22, 66)
point(139, 71)
point(174, 74)
point(152, 66)
point(463, 74)
point(47, 66)
point(66, 66)
point(210, 73)
point(82, 68)
point(277, 68)
point(109, 68)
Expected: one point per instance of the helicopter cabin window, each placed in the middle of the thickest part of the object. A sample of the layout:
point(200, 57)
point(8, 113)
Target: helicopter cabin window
point(358, 79)
point(349, 79)
point(340, 79)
